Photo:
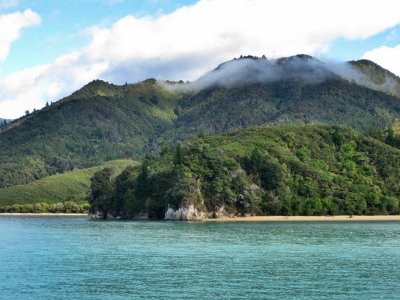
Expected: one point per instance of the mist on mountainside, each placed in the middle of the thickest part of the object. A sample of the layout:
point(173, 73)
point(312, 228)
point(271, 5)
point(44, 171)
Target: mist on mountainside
point(300, 68)
point(103, 121)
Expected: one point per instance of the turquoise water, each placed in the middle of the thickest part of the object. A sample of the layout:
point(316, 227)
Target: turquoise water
point(74, 258)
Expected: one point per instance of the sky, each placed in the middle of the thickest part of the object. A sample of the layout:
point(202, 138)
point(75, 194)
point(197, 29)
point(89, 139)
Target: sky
point(50, 48)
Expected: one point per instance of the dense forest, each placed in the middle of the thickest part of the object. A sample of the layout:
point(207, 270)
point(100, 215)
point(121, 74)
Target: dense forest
point(267, 170)
point(103, 121)
point(98, 123)
point(291, 136)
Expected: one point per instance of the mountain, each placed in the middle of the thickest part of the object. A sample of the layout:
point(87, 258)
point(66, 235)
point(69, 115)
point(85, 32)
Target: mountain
point(104, 121)
point(267, 170)
point(98, 123)
point(298, 89)
point(374, 76)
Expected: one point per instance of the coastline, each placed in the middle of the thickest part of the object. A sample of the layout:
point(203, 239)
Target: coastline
point(43, 214)
point(339, 218)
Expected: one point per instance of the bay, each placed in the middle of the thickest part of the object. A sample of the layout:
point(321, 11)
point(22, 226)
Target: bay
point(75, 258)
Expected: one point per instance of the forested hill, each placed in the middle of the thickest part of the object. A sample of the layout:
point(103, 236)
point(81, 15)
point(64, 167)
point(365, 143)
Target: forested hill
point(268, 170)
point(100, 122)
point(298, 89)
point(103, 121)
point(374, 76)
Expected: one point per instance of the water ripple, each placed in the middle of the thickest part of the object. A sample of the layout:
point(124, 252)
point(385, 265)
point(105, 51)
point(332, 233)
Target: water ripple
point(71, 258)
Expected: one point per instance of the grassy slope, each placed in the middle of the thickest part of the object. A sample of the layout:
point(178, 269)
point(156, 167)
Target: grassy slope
point(73, 185)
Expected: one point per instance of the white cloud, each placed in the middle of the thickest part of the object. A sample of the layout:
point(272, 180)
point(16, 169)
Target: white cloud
point(192, 40)
point(387, 57)
point(11, 26)
point(31, 88)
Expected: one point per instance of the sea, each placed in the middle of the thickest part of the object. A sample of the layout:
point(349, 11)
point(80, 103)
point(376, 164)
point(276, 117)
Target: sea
point(77, 258)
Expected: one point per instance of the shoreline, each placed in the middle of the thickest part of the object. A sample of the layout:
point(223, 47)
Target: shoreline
point(339, 218)
point(43, 214)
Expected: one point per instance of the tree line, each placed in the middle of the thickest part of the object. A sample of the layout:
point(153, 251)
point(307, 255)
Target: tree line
point(312, 170)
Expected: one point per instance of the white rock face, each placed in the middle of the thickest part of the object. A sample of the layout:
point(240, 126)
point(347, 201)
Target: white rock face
point(189, 213)
point(219, 213)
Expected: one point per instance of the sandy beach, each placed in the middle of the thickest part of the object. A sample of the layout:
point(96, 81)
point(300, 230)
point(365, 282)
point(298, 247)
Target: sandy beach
point(307, 218)
point(43, 214)
point(247, 219)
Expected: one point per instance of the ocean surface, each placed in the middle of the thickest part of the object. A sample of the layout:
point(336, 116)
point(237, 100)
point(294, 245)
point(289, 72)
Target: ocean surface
point(75, 258)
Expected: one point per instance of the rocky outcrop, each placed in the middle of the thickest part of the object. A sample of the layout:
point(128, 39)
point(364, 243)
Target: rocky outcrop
point(189, 213)
point(183, 213)
point(219, 213)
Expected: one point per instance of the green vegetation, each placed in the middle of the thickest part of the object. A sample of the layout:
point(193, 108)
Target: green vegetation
point(61, 188)
point(101, 190)
point(98, 123)
point(103, 122)
point(269, 170)
point(43, 207)
point(392, 136)
point(375, 77)
point(333, 101)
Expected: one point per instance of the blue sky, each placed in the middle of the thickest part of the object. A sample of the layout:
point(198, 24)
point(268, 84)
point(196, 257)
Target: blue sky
point(64, 23)
point(50, 48)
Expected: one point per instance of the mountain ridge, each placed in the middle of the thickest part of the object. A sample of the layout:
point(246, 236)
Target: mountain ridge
point(103, 121)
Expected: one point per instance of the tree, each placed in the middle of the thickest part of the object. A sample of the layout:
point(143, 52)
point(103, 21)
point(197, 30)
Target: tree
point(201, 134)
point(183, 188)
point(178, 156)
point(101, 191)
point(270, 172)
point(256, 160)
point(392, 139)
point(124, 182)
point(271, 175)
point(142, 190)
